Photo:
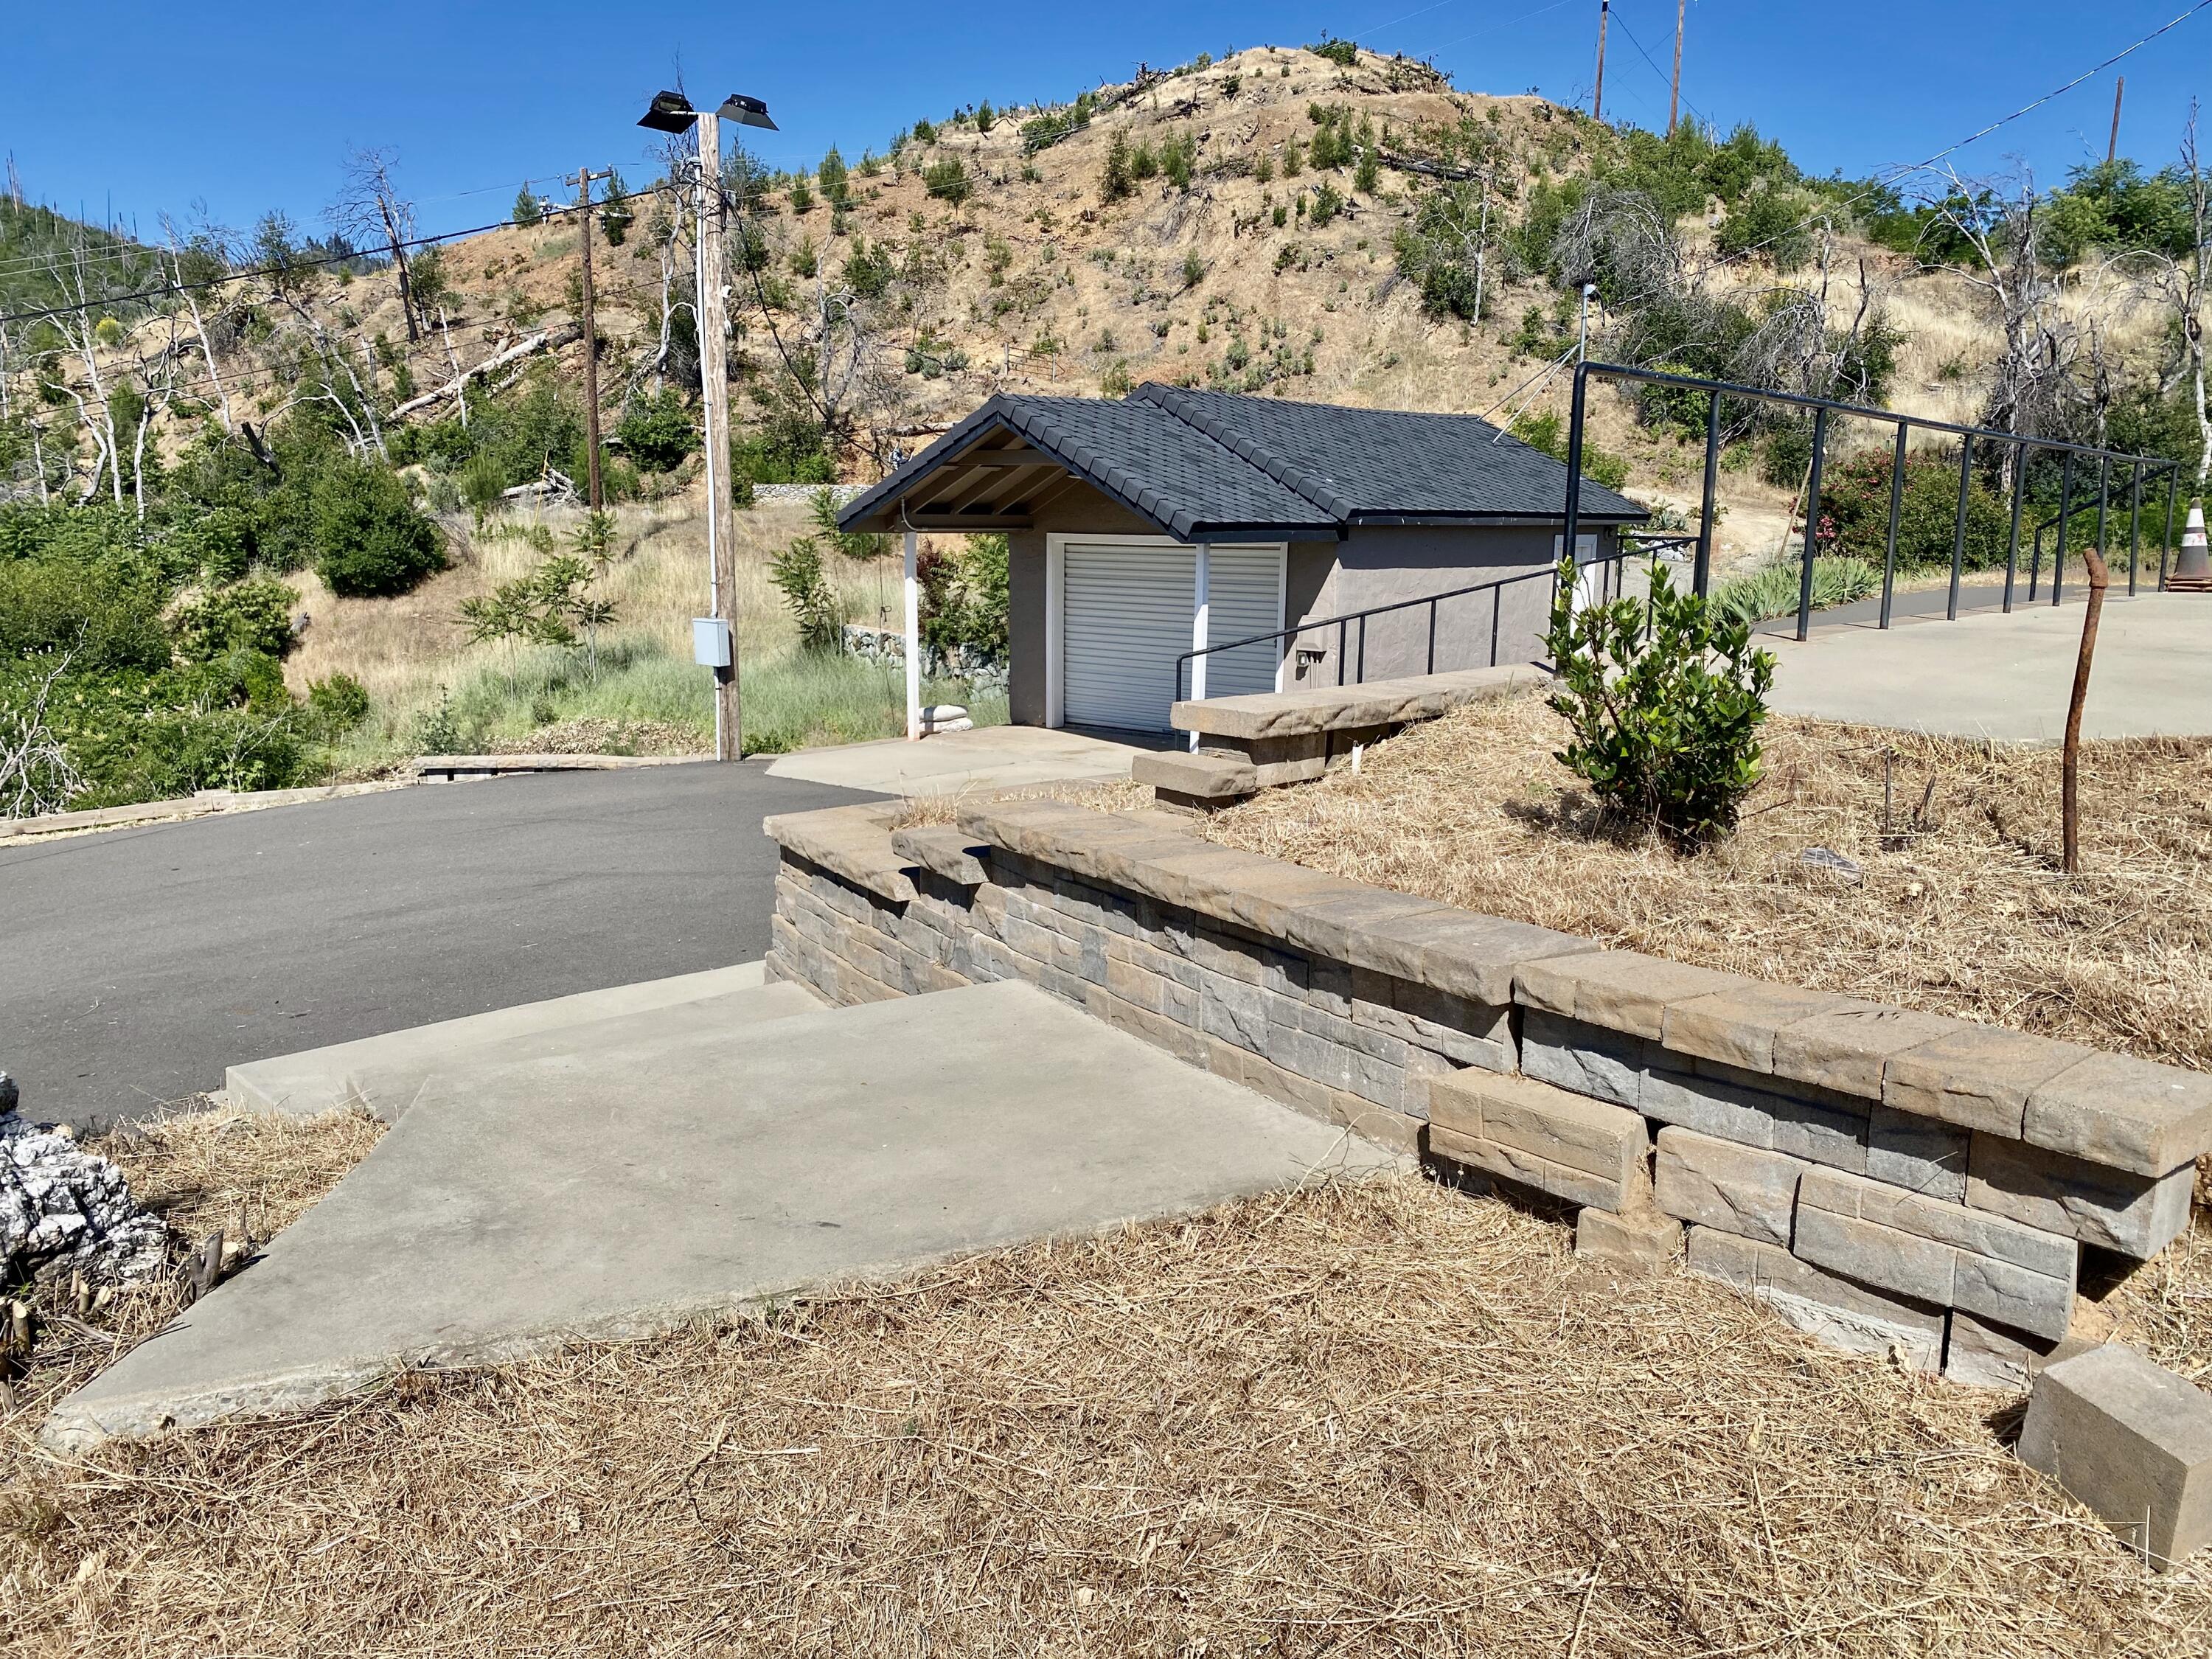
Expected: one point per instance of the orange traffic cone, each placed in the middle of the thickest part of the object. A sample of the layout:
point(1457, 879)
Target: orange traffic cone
point(2192, 571)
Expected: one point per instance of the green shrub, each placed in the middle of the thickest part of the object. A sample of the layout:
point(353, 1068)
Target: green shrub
point(1854, 512)
point(255, 616)
point(338, 705)
point(1342, 53)
point(1784, 457)
point(815, 602)
point(1327, 202)
point(1771, 590)
point(947, 180)
point(657, 431)
point(372, 540)
point(1544, 432)
point(1664, 702)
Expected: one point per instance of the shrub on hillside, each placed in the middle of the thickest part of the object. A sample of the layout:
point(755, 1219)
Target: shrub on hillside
point(947, 180)
point(371, 539)
point(1854, 512)
point(1664, 702)
point(657, 431)
point(251, 616)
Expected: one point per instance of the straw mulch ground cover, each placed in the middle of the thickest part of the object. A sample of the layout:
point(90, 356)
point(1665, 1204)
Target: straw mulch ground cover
point(1960, 908)
point(1376, 1419)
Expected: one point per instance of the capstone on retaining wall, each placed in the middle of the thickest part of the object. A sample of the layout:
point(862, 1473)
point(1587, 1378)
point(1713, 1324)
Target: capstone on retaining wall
point(1893, 1182)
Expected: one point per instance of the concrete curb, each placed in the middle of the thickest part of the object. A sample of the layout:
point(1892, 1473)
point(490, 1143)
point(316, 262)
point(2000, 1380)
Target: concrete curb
point(207, 803)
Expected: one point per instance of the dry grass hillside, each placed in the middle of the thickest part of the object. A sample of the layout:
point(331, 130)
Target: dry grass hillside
point(1035, 284)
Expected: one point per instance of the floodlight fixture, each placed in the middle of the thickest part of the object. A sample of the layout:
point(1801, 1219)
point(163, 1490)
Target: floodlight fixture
point(745, 111)
point(670, 112)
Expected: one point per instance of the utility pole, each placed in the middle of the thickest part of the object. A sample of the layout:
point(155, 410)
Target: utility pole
point(717, 644)
point(584, 177)
point(1597, 96)
point(1675, 98)
point(715, 389)
point(2112, 149)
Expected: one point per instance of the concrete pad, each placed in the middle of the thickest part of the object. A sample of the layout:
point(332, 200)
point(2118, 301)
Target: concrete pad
point(957, 762)
point(621, 1191)
point(384, 1073)
point(2009, 676)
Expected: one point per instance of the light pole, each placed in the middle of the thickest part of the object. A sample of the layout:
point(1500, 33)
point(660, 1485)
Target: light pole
point(716, 645)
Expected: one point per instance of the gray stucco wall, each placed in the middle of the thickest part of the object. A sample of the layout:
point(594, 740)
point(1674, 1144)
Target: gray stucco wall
point(1379, 565)
point(1374, 565)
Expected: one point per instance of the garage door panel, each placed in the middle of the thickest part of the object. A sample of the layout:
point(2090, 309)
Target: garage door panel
point(1126, 616)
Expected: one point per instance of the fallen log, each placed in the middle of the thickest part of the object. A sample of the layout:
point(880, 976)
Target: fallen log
point(543, 340)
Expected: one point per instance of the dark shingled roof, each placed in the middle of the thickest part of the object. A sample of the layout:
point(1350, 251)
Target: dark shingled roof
point(1201, 464)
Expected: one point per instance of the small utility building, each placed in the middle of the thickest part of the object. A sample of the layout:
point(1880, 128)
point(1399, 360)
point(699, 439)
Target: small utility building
point(1141, 526)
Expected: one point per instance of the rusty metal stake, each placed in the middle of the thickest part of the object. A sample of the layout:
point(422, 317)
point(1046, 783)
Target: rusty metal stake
point(2069, 778)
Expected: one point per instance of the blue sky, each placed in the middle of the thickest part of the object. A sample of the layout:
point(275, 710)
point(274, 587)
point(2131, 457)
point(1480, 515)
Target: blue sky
point(151, 106)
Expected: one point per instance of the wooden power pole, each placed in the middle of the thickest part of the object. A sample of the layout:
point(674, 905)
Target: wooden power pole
point(1675, 98)
point(2112, 149)
point(1597, 94)
point(714, 388)
point(584, 177)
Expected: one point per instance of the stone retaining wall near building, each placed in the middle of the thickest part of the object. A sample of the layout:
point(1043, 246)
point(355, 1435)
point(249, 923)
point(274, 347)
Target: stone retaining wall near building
point(1894, 1181)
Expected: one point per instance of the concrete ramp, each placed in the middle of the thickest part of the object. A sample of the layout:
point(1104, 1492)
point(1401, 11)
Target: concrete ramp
point(652, 1177)
point(387, 1073)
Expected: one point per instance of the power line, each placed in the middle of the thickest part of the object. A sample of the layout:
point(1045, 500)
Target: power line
point(1623, 23)
point(551, 211)
point(1903, 171)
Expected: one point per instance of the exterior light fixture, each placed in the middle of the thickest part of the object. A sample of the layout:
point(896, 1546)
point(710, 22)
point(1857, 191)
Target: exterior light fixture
point(670, 112)
point(745, 111)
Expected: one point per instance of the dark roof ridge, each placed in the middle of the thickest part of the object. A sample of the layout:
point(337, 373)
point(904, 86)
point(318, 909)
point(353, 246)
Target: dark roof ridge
point(1177, 402)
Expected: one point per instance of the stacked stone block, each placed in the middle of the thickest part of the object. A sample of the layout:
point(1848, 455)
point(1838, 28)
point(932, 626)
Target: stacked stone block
point(1893, 1182)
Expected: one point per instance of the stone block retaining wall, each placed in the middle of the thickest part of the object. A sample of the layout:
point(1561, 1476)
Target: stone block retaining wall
point(1893, 1182)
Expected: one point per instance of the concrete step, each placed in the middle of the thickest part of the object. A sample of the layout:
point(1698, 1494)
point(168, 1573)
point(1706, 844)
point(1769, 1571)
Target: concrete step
point(624, 1187)
point(387, 1073)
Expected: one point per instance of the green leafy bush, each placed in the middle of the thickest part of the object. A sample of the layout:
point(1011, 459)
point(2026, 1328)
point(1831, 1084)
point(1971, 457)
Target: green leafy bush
point(815, 604)
point(1664, 702)
point(253, 616)
point(657, 431)
point(947, 180)
point(372, 539)
point(1854, 512)
point(1342, 53)
point(339, 704)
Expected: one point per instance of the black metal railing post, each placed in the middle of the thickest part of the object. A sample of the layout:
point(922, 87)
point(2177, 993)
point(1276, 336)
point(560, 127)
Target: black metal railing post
point(1811, 522)
point(2065, 533)
point(1896, 507)
point(1958, 530)
point(1701, 577)
point(2135, 524)
point(2012, 539)
point(2166, 546)
point(2065, 500)
point(1432, 636)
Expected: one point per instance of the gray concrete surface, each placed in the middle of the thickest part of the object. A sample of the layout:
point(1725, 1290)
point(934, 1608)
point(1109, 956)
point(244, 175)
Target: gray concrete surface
point(2009, 676)
point(136, 964)
point(621, 1190)
point(957, 762)
point(388, 1074)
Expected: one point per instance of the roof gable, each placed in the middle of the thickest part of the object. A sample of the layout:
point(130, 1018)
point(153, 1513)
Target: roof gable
point(1197, 464)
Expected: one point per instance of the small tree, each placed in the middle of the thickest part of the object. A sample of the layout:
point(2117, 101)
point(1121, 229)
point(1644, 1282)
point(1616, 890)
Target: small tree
point(835, 180)
point(1664, 705)
point(526, 210)
point(1118, 180)
point(616, 213)
point(815, 604)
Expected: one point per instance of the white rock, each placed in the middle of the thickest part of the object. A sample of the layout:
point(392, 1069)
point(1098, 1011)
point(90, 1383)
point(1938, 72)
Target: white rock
point(65, 1209)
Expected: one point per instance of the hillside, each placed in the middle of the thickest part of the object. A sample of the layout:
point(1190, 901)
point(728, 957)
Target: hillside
point(1318, 224)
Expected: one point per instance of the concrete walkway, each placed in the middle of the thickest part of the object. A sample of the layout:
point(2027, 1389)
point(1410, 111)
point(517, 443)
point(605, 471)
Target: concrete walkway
point(388, 1074)
point(653, 1176)
point(2009, 676)
point(957, 762)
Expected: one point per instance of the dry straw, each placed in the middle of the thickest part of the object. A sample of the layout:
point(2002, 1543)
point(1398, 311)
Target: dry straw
point(1960, 908)
point(1373, 1418)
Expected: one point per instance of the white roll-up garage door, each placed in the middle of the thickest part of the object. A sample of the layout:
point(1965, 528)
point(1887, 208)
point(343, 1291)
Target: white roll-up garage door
point(1126, 616)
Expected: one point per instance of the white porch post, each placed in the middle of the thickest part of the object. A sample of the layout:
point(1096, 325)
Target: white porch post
point(1200, 629)
point(913, 645)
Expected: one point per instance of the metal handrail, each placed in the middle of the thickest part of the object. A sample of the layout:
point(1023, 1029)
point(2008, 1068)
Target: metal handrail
point(1608, 588)
point(2139, 468)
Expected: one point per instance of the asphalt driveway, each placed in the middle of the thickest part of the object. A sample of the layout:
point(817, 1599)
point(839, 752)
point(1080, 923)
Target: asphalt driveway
point(135, 964)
